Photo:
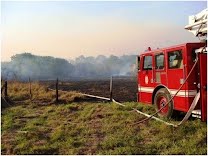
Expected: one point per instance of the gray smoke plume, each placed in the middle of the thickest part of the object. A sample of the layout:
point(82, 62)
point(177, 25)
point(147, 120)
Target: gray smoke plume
point(25, 65)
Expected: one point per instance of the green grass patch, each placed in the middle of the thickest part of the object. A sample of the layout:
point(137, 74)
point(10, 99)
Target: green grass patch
point(95, 128)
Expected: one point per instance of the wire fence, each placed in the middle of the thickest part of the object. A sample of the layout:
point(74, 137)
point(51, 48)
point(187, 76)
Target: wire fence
point(120, 88)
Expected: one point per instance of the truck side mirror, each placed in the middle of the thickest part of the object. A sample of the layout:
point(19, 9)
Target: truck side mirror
point(138, 63)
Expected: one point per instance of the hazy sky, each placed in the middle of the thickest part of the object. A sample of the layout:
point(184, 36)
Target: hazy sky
point(69, 29)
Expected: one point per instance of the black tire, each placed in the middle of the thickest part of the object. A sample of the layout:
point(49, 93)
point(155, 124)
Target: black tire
point(161, 98)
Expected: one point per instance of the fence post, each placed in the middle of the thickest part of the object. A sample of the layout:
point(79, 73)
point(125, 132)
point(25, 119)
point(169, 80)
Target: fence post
point(30, 90)
point(2, 88)
point(57, 90)
point(5, 90)
point(111, 88)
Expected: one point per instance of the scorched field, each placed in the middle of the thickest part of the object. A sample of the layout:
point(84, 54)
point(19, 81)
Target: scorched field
point(124, 88)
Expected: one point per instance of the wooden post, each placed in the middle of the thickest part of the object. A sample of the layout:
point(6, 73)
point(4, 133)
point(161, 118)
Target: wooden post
point(2, 88)
point(30, 90)
point(57, 90)
point(5, 90)
point(111, 88)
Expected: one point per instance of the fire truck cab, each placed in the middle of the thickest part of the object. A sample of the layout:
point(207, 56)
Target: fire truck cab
point(162, 71)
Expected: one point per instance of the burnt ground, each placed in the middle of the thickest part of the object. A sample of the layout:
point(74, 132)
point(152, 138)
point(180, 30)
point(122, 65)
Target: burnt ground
point(124, 89)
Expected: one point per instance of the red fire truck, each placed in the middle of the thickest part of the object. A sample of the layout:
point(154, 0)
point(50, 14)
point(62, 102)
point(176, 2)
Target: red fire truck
point(161, 73)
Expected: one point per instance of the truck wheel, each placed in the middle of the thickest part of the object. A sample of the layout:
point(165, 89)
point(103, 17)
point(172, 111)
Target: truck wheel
point(161, 98)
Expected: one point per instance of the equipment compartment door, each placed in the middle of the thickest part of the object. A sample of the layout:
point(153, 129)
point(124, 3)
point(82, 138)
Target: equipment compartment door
point(203, 85)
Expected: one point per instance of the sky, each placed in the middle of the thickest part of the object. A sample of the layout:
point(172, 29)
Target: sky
point(68, 29)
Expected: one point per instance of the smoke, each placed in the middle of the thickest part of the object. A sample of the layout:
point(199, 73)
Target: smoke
point(25, 65)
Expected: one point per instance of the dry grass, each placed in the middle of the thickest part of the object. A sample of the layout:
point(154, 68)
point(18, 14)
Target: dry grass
point(19, 91)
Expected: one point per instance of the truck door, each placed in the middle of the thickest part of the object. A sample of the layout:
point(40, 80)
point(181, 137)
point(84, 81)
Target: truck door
point(146, 78)
point(160, 69)
point(175, 75)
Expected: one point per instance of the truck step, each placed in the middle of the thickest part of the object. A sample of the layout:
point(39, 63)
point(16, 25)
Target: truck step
point(196, 113)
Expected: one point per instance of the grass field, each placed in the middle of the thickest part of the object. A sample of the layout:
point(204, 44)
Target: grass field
point(31, 127)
